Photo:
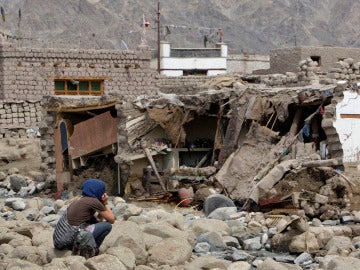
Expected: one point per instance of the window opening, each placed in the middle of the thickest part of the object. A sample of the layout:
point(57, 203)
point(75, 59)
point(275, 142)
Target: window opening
point(91, 87)
point(316, 59)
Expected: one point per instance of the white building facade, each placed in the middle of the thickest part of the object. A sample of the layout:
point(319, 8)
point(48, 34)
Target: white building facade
point(202, 61)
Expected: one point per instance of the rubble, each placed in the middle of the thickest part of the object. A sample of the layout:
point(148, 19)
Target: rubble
point(155, 238)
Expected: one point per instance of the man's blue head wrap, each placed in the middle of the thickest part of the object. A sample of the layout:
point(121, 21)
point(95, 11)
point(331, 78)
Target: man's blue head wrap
point(93, 188)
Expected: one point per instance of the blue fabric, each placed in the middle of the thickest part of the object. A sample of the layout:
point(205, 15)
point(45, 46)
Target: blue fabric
point(101, 230)
point(93, 188)
point(306, 130)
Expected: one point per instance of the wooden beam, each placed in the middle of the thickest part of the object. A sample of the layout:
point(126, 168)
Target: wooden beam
point(232, 133)
point(349, 115)
point(151, 160)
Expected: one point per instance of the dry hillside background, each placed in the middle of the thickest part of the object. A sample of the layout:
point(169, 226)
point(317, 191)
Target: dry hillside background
point(249, 26)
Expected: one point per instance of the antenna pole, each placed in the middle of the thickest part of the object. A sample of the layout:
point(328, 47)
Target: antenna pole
point(158, 37)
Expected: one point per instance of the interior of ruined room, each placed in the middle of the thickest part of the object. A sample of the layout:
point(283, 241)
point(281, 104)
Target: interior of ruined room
point(86, 143)
point(194, 142)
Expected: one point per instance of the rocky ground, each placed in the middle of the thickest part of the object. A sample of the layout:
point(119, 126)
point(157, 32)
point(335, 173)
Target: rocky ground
point(154, 236)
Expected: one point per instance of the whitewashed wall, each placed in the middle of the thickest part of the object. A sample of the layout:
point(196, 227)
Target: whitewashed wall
point(349, 128)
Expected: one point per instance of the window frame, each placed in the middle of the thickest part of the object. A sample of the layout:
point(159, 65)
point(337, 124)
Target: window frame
point(99, 91)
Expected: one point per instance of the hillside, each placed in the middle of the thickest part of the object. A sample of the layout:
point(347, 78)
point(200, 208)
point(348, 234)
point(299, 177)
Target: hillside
point(250, 26)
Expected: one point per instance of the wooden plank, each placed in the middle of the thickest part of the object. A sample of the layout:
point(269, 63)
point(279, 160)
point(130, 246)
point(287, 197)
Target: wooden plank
point(348, 115)
point(79, 109)
point(93, 134)
point(151, 160)
point(232, 133)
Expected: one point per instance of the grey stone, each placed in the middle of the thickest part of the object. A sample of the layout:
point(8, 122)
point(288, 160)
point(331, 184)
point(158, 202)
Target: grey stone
point(339, 263)
point(203, 225)
point(31, 189)
point(69, 262)
point(339, 245)
point(124, 210)
point(202, 247)
point(240, 255)
point(163, 230)
point(171, 251)
point(270, 264)
point(252, 244)
point(231, 241)
point(214, 239)
point(316, 222)
point(151, 240)
point(17, 181)
point(105, 262)
point(302, 258)
point(31, 214)
point(50, 218)
point(124, 254)
point(128, 234)
point(330, 222)
point(356, 242)
point(207, 263)
point(347, 219)
point(23, 192)
point(16, 203)
point(239, 266)
point(40, 186)
point(47, 210)
point(223, 213)
point(304, 242)
point(284, 258)
point(2, 176)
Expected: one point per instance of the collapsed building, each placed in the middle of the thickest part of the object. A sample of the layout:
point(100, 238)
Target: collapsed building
point(272, 141)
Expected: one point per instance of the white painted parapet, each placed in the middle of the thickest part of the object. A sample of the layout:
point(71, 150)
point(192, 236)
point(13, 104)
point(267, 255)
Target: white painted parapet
point(347, 125)
point(211, 61)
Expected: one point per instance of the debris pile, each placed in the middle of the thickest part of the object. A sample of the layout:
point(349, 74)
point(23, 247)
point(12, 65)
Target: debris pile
point(167, 238)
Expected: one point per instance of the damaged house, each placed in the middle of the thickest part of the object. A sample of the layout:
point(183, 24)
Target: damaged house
point(107, 114)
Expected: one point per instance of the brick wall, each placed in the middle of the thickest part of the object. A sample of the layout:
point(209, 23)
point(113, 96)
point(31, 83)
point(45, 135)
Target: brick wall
point(181, 85)
point(28, 73)
point(18, 118)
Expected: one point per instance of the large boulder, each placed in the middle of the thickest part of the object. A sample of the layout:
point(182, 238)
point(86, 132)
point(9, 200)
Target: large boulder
point(203, 225)
point(304, 242)
point(171, 251)
point(206, 262)
point(124, 254)
point(332, 262)
point(105, 262)
point(339, 245)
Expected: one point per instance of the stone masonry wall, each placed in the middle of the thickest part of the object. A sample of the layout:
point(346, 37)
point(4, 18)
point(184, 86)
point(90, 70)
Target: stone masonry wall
point(47, 146)
point(17, 118)
point(28, 73)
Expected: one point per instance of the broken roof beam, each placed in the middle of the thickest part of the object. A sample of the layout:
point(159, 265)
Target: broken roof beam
point(232, 132)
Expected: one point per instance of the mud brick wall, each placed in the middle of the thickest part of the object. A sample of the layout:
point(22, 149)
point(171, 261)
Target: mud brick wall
point(181, 85)
point(20, 118)
point(285, 60)
point(29, 73)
